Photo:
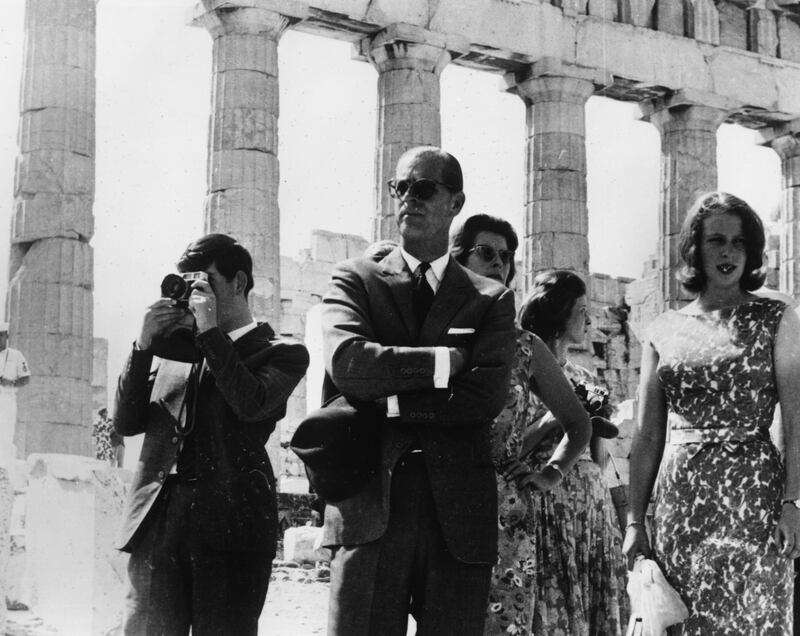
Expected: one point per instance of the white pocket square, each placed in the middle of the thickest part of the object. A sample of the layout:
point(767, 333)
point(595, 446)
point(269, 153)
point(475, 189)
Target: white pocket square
point(455, 331)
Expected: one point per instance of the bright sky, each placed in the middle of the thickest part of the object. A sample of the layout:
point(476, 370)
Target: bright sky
point(153, 102)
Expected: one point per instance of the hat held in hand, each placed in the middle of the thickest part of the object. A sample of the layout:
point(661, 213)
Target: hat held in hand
point(340, 448)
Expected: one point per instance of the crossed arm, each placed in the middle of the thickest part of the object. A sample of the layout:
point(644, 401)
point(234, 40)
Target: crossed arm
point(368, 370)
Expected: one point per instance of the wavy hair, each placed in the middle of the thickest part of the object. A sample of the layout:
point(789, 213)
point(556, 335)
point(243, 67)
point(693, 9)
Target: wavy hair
point(691, 275)
point(548, 306)
point(462, 240)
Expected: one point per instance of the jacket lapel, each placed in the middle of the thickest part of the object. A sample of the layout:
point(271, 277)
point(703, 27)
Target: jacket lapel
point(398, 279)
point(448, 300)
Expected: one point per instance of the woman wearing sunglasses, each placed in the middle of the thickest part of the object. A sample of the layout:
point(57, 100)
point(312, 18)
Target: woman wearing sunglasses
point(580, 588)
point(486, 244)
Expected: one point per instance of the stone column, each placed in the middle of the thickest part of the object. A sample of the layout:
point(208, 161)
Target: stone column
point(49, 300)
point(555, 229)
point(786, 142)
point(409, 61)
point(688, 128)
point(243, 170)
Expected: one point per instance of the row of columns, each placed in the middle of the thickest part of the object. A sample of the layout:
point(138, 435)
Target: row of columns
point(409, 61)
point(50, 299)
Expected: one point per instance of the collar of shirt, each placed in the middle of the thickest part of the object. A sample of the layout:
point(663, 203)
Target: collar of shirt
point(436, 272)
point(238, 333)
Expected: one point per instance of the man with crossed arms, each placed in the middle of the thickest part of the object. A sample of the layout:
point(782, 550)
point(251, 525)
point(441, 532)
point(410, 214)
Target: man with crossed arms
point(430, 343)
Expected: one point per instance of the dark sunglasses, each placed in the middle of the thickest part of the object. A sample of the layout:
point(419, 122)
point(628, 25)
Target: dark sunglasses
point(422, 189)
point(487, 254)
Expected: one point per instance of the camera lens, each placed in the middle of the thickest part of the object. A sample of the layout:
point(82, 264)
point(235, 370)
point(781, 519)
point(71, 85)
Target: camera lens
point(173, 286)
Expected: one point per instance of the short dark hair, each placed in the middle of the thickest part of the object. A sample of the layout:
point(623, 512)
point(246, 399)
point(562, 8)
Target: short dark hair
point(462, 240)
point(691, 275)
point(221, 250)
point(449, 167)
point(548, 306)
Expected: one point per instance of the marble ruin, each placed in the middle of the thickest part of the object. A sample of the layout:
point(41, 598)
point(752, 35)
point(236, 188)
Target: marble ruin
point(690, 65)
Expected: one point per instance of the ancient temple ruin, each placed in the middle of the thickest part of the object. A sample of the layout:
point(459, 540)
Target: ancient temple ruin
point(690, 65)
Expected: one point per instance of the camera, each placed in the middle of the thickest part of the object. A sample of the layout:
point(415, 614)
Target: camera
point(179, 286)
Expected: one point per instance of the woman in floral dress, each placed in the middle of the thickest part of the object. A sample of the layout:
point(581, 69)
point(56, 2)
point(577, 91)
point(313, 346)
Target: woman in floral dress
point(727, 522)
point(579, 586)
point(486, 244)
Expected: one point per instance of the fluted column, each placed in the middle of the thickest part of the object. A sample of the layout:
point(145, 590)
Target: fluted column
point(49, 302)
point(688, 169)
point(555, 229)
point(409, 61)
point(243, 167)
point(786, 142)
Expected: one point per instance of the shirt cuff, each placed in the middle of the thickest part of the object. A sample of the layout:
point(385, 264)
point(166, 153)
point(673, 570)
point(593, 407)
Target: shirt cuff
point(441, 367)
point(392, 406)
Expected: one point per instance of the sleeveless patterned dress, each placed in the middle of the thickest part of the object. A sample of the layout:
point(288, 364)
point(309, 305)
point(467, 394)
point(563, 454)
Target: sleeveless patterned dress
point(511, 594)
point(559, 569)
point(580, 578)
point(720, 485)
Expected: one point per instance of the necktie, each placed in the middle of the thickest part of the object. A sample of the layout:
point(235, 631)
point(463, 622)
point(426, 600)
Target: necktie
point(423, 294)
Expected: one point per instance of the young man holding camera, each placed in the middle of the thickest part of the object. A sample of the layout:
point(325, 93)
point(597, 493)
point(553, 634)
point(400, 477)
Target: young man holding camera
point(201, 517)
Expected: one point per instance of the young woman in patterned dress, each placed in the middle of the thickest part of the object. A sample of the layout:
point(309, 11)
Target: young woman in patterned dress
point(726, 522)
point(486, 244)
point(579, 587)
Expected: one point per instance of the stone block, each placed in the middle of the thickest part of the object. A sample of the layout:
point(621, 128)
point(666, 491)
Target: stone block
point(99, 362)
point(48, 426)
point(6, 504)
point(669, 17)
point(762, 32)
point(46, 215)
point(408, 86)
point(604, 9)
point(244, 129)
point(637, 12)
point(57, 129)
point(553, 115)
point(54, 172)
point(243, 169)
point(562, 250)
point(76, 575)
point(57, 355)
point(557, 151)
point(57, 260)
point(732, 25)
point(303, 545)
point(60, 44)
point(787, 88)
point(568, 216)
point(530, 28)
point(246, 52)
point(789, 37)
point(702, 20)
point(245, 89)
point(408, 125)
point(559, 185)
point(57, 86)
point(81, 14)
point(329, 247)
point(291, 275)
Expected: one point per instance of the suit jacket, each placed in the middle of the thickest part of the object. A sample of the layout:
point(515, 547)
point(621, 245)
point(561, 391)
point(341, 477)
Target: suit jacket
point(374, 349)
point(240, 397)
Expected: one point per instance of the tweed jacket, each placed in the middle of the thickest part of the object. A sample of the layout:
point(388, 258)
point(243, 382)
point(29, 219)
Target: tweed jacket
point(242, 393)
point(373, 348)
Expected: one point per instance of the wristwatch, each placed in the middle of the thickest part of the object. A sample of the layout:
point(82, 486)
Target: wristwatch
point(794, 502)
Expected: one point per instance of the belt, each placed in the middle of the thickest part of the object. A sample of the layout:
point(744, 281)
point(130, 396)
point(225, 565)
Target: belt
point(680, 436)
